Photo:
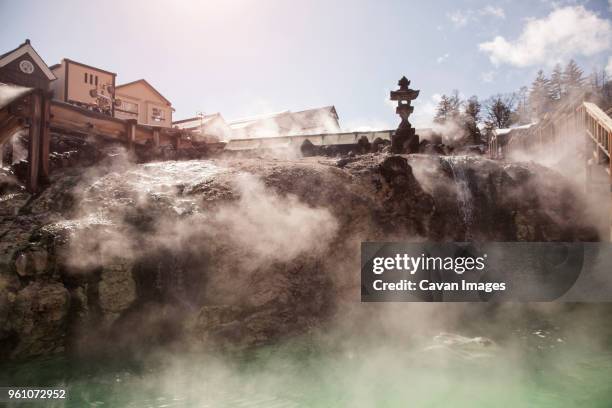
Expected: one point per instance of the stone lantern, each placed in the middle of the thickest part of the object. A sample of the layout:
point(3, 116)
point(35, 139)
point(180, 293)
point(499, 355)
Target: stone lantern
point(404, 140)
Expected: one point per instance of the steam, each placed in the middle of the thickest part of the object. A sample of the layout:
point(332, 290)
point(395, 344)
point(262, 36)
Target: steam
point(367, 355)
point(568, 156)
point(390, 354)
point(274, 228)
point(133, 208)
point(452, 131)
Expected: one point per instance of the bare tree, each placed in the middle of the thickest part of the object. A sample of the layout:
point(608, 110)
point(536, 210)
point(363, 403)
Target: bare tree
point(499, 111)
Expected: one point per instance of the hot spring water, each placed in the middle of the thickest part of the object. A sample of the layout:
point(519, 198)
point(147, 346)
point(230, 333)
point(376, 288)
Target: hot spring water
point(546, 367)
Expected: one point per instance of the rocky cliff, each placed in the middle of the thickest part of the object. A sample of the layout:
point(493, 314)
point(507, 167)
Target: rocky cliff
point(240, 251)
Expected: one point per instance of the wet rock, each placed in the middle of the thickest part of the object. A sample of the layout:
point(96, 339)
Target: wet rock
point(116, 289)
point(38, 319)
point(175, 250)
point(378, 144)
point(364, 145)
point(308, 149)
point(32, 261)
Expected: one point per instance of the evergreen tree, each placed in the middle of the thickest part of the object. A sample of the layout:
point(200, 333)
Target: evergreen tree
point(556, 83)
point(448, 108)
point(573, 80)
point(455, 104)
point(600, 85)
point(473, 108)
point(442, 110)
point(539, 96)
point(471, 117)
point(522, 113)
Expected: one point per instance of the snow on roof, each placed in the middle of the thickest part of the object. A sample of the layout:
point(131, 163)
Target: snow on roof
point(243, 122)
point(505, 131)
point(304, 119)
point(196, 121)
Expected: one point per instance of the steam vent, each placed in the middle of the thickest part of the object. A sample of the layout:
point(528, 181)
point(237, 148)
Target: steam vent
point(404, 140)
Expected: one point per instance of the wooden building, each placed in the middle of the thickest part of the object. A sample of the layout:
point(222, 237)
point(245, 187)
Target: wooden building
point(23, 66)
point(83, 85)
point(206, 128)
point(287, 123)
point(141, 101)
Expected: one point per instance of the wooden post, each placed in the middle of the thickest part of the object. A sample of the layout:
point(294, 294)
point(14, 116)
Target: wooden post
point(176, 141)
point(610, 178)
point(156, 136)
point(45, 138)
point(131, 134)
point(34, 143)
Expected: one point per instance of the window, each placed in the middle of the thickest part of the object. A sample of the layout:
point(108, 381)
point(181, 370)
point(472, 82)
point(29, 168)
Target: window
point(157, 114)
point(90, 79)
point(96, 80)
point(126, 109)
point(129, 107)
point(86, 77)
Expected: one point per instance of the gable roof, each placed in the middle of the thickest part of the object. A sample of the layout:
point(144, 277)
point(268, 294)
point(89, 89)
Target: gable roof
point(68, 60)
point(309, 120)
point(144, 81)
point(197, 121)
point(254, 120)
point(314, 118)
point(23, 49)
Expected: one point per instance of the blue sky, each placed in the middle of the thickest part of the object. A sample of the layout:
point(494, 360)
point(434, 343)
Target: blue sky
point(243, 58)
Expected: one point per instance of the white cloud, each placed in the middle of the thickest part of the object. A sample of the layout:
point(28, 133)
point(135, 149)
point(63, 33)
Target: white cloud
point(442, 58)
point(609, 66)
point(555, 4)
point(488, 76)
point(610, 5)
point(565, 32)
point(461, 18)
point(494, 11)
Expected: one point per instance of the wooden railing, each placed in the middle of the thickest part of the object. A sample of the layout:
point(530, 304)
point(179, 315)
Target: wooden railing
point(569, 121)
point(598, 127)
point(583, 124)
point(34, 110)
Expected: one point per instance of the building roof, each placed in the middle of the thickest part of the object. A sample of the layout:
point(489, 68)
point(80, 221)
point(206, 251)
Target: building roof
point(85, 66)
point(144, 81)
point(244, 122)
point(312, 118)
point(298, 122)
point(196, 120)
point(26, 48)
point(505, 131)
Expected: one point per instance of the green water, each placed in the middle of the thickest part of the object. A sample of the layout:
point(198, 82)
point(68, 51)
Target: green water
point(542, 364)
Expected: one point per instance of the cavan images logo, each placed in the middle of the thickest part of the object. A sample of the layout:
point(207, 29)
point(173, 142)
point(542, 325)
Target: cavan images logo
point(471, 272)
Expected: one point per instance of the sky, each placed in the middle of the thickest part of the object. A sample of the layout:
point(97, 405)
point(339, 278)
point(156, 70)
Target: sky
point(250, 57)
